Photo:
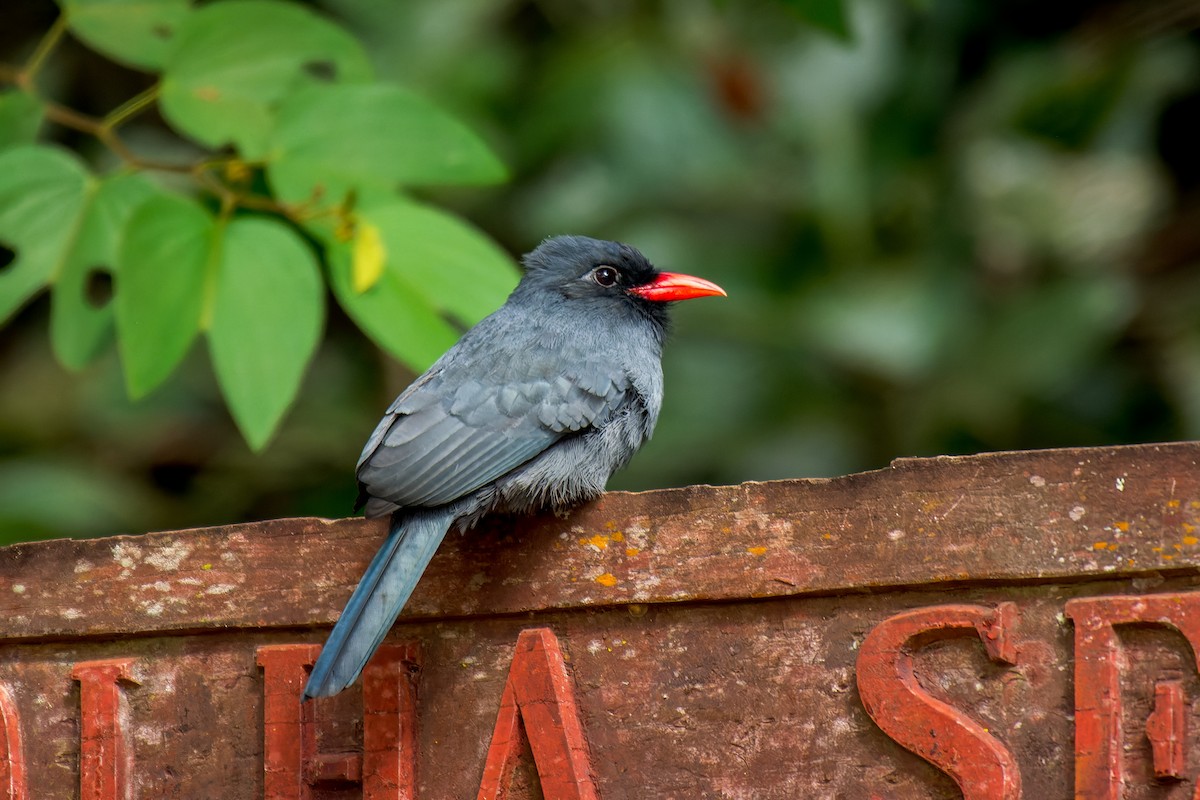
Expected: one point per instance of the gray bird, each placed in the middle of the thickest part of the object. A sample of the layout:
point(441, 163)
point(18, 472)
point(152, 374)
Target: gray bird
point(535, 407)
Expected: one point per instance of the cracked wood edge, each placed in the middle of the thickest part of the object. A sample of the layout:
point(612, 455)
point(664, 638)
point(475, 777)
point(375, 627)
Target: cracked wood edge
point(1028, 516)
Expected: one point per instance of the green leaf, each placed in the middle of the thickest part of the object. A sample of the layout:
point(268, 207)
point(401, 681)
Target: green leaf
point(138, 33)
point(235, 60)
point(163, 262)
point(266, 322)
point(829, 15)
point(80, 325)
point(373, 136)
point(42, 192)
point(454, 266)
point(392, 312)
point(20, 118)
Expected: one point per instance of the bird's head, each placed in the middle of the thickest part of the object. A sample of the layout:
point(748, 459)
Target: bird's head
point(596, 271)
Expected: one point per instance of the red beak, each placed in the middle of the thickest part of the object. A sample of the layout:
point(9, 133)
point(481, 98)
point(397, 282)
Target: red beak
point(671, 286)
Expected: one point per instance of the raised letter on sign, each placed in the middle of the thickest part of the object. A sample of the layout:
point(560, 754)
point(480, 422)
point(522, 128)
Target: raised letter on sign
point(1099, 734)
point(291, 764)
point(539, 693)
point(12, 757)
point(103, 756)
point(981, 766)
point(1166, 728)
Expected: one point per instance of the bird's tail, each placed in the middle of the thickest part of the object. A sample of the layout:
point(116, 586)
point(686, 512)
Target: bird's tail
point(381, 594)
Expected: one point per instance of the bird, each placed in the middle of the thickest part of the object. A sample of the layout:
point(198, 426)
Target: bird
point(534, 408)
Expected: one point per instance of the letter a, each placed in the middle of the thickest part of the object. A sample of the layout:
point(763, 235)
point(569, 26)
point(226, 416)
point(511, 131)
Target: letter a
point(539, 693)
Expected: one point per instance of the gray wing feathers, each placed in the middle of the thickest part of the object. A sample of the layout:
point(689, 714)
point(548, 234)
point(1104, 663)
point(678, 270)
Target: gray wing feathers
point(433, 449)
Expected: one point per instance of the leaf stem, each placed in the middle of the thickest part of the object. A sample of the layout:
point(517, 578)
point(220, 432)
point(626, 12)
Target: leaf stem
point(232, 198)
point(76, 120)
point(70, 118)
point(105, 130)
point(53, 35)
point(130, 107)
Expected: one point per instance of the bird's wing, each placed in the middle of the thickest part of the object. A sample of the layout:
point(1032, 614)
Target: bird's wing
point(449, 434)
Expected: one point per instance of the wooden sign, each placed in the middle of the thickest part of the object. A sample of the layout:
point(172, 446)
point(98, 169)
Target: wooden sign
point(1018, 625)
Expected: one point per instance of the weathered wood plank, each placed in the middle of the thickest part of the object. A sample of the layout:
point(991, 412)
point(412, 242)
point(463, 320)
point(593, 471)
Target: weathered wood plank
point(736, 642)
point(1006, 517)
point(744, 700)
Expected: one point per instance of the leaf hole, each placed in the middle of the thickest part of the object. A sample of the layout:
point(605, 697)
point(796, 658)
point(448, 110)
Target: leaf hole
point(7, 257)
point(163, 31)
point(98, 287)
point(321, 69)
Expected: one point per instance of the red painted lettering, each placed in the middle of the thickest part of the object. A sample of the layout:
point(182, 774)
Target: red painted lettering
point(539, 694)
point(1099, 766)
point(292, 767)
point(981, 766)
point(103, 753)
point(1166, 728)
point(13, 785)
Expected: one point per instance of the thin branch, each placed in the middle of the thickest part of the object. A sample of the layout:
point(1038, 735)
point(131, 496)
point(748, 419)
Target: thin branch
point(230, 197)
point(71, 118)
point(210, 182)
point(105, 130)
point(130, 107)
point(201, 171)
point(229, 202)
point(76, 120)
point(110, 139)
point(27, 74)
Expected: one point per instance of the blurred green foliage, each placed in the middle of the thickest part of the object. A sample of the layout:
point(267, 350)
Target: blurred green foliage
point(309, 165)
point(957, 227)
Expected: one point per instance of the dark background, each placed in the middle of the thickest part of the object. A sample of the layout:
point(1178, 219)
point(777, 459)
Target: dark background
point(973, 226)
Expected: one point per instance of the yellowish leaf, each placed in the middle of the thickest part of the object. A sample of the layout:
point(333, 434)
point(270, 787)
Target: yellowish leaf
point(368, 257)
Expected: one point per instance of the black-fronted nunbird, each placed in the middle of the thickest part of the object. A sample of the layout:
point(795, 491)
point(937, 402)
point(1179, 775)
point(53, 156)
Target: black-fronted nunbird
point(535, 407)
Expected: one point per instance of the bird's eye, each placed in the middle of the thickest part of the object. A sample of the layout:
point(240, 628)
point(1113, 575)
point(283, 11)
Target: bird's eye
point(605, 276)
